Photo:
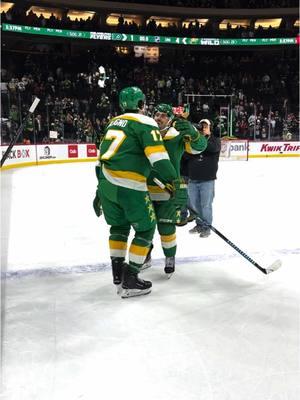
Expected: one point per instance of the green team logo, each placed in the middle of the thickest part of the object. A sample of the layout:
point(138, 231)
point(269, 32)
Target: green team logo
point(150, 208)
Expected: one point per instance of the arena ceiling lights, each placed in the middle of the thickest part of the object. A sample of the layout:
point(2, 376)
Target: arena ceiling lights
point(164, 21)
point(45, 11)
point(201, 21)
point(234, 23)
point(6, 6)
point(113, 19)
point(266, 23)
point(73, 14)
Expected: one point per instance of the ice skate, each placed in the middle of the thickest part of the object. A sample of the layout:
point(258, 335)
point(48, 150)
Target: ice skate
point(169, 266)
point(117, 272)
point(134, 286)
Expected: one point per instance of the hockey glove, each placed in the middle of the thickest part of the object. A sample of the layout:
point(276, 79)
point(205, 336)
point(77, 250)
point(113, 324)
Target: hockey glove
point(178, 191)
point(187, 130)
point(97, 205)
point(181, 196)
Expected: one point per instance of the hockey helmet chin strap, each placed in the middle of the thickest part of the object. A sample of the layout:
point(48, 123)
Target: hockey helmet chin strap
point(168, 125)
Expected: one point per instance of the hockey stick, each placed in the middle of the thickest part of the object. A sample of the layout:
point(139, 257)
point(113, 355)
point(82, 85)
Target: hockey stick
point(19, 131)
point(273, 267)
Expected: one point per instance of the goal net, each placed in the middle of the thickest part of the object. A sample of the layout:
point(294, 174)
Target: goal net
point(234, 150)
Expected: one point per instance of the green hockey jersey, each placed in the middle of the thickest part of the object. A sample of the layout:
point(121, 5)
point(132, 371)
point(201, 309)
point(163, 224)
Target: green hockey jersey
point(175, 145)
point(131, 146)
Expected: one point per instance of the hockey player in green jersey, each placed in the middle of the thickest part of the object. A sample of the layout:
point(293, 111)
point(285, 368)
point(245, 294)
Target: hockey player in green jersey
point(132, 145)
point(178, 135)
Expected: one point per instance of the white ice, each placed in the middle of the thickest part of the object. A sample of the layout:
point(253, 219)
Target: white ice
point(219, 329)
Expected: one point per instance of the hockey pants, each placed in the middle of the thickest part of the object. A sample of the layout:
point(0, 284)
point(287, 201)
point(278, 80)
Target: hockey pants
point(124, 208)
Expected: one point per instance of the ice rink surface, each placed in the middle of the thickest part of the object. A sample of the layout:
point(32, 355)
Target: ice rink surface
point(217, 330)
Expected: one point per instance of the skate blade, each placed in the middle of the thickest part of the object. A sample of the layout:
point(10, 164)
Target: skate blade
point(134, 292)
point(119, 289)
point(169, 275)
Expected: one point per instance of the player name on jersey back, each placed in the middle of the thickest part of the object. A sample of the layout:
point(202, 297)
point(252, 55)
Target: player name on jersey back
point(118, 122)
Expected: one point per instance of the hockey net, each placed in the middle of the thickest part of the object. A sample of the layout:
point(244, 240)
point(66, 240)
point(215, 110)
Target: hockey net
point(234, 150)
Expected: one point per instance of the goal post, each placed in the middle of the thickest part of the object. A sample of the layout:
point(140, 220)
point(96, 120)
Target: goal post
point(224, 106)
point(234, 150)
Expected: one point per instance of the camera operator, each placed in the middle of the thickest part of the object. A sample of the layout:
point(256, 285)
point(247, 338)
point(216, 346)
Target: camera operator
point(202, 172)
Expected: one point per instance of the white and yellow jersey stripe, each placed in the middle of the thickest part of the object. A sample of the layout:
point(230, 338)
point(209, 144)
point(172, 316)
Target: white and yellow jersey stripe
point(128, 179)
point(171, 134)
point(158, 194)
point(156, 153)
point(190, 150)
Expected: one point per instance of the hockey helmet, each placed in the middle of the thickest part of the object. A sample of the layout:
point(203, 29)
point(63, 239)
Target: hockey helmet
point(164, 108)
point(131, 99)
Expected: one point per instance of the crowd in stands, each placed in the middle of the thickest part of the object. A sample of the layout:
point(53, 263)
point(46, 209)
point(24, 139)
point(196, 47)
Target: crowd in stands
point(264, 89)
point(193, 29)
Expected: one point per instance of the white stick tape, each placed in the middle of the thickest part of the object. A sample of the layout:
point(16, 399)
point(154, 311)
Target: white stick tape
point(34, 105)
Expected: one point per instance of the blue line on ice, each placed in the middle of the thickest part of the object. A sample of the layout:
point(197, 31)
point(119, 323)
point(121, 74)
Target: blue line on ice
point(79, 269)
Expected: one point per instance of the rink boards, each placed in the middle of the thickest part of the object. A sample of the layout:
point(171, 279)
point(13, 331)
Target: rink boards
point(28, 155)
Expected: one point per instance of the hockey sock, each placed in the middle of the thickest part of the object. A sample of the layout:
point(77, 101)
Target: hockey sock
point(168, 239)
point(118, 241)
point(139, 249)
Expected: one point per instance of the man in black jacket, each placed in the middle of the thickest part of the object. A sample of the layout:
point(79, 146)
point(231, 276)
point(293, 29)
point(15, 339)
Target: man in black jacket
point(202, 172)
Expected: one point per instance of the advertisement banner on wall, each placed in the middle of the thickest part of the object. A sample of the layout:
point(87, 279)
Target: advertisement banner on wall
point(72, 150)
point(22, 155)
point(19, 154)
point(26, 155)
point(45, 153)
point(91, 150)
point(274, 149)
point(50, 153)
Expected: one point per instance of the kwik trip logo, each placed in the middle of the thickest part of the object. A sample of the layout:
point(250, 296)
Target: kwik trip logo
point(18, 153)
point(285, 147)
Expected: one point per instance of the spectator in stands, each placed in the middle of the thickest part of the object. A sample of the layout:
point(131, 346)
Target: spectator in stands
point(68, 94)
point(29, 131)
point(39, 128)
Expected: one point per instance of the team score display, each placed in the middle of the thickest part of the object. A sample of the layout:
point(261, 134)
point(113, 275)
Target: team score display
point(156, 135)
point(117, 138)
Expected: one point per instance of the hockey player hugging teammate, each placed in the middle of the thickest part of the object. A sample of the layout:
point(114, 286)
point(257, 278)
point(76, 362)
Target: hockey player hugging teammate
point(178, 135)
point(132, 144)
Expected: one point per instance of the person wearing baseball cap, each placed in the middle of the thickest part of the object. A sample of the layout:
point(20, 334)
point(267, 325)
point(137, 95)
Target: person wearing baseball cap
point(202, 172)
point(205, 121)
